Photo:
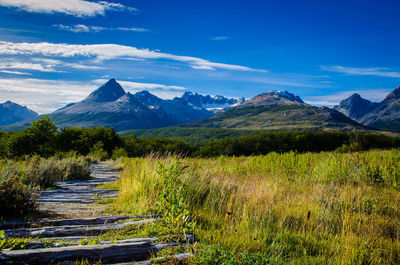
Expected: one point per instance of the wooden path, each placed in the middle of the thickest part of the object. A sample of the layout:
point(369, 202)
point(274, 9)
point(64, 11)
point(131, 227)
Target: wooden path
point(77, 216)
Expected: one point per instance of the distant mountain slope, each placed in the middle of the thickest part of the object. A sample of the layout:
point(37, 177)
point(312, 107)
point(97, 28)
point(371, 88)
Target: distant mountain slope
point(384, 115)
point(278, 111)
point(214, 104)
point(11, 112)
point(355, 106)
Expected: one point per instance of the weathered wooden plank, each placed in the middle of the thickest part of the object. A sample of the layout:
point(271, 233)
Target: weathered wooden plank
point(82, 221)
point(107, 253)
point(67, 242)
point(70, 230)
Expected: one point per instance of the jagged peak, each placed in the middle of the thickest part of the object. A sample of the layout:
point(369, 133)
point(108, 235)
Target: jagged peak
point(108, 92)
point(355, 95)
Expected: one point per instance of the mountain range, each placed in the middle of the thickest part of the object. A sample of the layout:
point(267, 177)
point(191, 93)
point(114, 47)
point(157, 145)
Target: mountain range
point(11, 112)
point(278, 111)
point(384, 115)
point(111, 106)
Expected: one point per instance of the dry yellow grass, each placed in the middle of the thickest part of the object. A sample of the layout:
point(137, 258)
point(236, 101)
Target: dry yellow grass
point(293, 208)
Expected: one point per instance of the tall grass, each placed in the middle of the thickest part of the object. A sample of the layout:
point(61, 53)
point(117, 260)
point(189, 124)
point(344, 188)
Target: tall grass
point(288, 208)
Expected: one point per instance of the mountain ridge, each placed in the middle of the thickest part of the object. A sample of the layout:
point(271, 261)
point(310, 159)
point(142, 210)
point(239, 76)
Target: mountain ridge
point(380, 115)
point(11, 112)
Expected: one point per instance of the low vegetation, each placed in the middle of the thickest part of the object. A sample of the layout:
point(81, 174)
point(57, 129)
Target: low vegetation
point(19, 179)
point(311, 208)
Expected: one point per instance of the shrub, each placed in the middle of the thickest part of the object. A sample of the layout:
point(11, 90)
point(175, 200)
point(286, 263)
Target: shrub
point(98, 152)
point(76, 168)
point(43, 173)
point(15, 197)
point(118, 153)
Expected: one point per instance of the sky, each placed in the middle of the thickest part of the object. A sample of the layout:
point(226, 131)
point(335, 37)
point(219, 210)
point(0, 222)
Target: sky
point(56, 52)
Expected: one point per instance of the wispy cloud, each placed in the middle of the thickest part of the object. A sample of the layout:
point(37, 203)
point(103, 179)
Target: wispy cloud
point(14, 72)
point(220, 38)
point(59, 63)
point(102, 52)
point(78, 8)
point(81, 28)
point(374, 95)
point(26, 66)
point(374, 71)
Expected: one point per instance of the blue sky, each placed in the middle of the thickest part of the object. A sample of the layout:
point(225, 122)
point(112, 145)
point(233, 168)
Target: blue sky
point(55, 52)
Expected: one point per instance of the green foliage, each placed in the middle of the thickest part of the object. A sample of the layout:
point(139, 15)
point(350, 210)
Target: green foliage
point(136, 147)
point(191, 135)
point(171, 203)
point(118, 153)
point(75, 168)
point(15, 197)
point(87, 242)
point(11, 243)
point(299, 141)
point(18, 179)
point(42, 173)
point(97, 152)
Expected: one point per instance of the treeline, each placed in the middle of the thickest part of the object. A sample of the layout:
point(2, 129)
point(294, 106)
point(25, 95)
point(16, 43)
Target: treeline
point(43, 139)
point(199, 135)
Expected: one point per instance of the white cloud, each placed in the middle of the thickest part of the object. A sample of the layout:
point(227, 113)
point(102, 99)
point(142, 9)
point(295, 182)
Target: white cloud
point(80, 28)
point(109, 51)
point(131, 29)
point(43, 95)
point(14, 72)
point(58, 63)
point(220, 38)
point(79, 8)
point(375, 95)
point(26, 66)
point(374, 71)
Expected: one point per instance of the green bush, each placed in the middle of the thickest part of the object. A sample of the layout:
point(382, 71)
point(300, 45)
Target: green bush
point(43, 173)
point(118, 153)
point(76, 168)
point(98, 152)
point(15, 197)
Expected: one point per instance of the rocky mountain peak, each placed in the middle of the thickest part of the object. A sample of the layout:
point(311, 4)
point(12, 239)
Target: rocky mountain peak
point(274, 97)
point(108, 92)
point(395, 94)
point(355, 106)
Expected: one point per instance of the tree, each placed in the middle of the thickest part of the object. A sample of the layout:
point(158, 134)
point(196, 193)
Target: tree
point(42, 136)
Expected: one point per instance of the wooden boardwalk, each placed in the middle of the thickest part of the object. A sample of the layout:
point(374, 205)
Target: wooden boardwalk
point(77, 216)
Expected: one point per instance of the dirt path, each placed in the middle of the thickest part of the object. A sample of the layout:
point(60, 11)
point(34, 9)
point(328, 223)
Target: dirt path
point(77, 198)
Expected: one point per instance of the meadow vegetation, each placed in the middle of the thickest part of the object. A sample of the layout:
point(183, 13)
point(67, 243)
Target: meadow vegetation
point(310, 208)
point(19, 179)
point(299, 197)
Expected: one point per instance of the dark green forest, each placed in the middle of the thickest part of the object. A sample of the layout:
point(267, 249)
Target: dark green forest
point(43, 138)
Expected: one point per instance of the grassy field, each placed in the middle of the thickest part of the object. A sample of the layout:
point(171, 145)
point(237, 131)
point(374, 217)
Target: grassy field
point(312, 208)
